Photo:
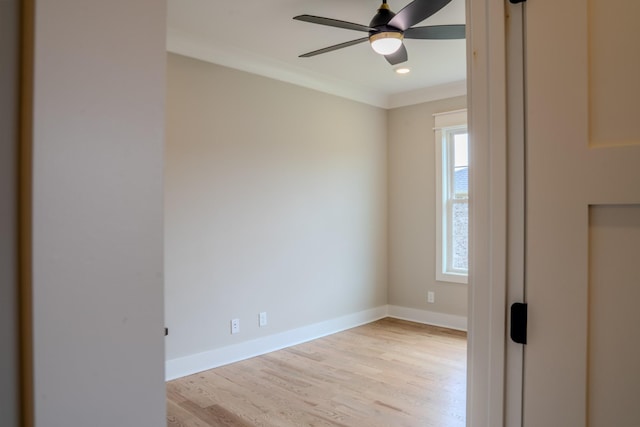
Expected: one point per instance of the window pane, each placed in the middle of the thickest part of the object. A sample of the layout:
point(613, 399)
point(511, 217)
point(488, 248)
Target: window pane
point(461, 149)
point(460, 236)
point(460, 184)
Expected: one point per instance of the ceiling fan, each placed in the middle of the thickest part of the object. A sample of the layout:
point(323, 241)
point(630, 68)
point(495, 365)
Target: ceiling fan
point(387, 29)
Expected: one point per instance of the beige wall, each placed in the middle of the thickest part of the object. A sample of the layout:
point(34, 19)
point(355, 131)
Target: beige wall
point(276, 201)
point(98, 130)
point(412, 211)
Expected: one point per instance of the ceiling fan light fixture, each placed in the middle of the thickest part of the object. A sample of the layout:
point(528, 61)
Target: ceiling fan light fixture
point(386, 42)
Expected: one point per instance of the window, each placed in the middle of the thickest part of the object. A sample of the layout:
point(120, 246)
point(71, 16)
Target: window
point(452, 196)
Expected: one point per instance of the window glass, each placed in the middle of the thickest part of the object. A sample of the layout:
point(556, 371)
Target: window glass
point(461, 165)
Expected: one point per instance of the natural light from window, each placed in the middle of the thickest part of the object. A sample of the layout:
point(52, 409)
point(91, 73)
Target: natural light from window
point(452, 197)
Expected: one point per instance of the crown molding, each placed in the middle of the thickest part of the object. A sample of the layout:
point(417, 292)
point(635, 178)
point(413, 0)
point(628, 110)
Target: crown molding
point(187, 45)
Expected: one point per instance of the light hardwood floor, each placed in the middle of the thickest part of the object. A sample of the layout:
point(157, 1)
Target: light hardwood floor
point(389, 373)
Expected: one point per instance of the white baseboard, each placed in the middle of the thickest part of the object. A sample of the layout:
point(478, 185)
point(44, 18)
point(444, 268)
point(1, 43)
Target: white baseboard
point(434, 318)
point(183, 366)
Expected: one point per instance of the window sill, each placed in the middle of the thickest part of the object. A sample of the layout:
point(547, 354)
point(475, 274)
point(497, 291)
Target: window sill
point(452, 278)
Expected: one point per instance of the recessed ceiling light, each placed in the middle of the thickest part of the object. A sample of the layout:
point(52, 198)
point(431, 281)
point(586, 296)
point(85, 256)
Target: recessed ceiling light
point(403, 70)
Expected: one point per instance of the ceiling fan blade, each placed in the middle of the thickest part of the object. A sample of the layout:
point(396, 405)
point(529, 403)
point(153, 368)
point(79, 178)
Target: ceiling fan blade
point(332, 22)
point(415, 12)
point(398, 56)
point(334, 47)
point(436, 32)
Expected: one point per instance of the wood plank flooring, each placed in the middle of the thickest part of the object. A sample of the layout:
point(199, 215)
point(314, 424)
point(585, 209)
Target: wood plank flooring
point(389, 373)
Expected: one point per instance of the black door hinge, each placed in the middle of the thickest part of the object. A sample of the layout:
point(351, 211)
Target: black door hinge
point(166, 331)
point(517, 1)
point(519, 322)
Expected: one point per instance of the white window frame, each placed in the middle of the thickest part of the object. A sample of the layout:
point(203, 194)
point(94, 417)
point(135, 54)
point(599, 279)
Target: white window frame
point(446, 125)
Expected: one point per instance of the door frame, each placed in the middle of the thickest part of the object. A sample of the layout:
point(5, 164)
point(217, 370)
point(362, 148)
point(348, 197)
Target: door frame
point(496, 111)
point(9, 213)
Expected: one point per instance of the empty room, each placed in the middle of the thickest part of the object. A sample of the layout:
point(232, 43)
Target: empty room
point(294, 212)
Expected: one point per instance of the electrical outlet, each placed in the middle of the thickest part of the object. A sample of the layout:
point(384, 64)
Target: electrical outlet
point(262, 319)
point(431, 297)
point(235, 326)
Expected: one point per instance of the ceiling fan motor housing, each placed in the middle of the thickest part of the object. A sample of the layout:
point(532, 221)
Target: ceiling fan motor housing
point(380, 20)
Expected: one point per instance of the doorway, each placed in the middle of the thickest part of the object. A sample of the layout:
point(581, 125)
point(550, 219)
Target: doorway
point(274, 216)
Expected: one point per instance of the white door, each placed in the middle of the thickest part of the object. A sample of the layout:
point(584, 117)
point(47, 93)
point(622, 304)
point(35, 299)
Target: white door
point(582, 360)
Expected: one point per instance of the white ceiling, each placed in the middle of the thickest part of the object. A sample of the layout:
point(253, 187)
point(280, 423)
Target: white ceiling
point(260, 36)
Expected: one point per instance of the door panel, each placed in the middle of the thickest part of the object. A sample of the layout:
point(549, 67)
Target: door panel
point(614, 292)
point(613, 58)
point(583, 162)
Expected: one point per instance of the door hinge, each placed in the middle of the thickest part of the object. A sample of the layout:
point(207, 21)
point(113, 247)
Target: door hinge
point(517, 1)
point(519, 322)
point(166, 331)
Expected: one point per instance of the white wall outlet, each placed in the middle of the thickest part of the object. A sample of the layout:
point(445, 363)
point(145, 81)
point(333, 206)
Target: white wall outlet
point(431, 297)
point(262, 319)
point(235, 326)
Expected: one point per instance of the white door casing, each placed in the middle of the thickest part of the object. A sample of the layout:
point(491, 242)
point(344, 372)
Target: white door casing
point(487, 121)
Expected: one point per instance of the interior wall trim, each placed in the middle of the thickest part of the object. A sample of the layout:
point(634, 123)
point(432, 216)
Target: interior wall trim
point(226, 56)
point(427, 317)
point(192, 364)
point(25, 211)
point(187, 365)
